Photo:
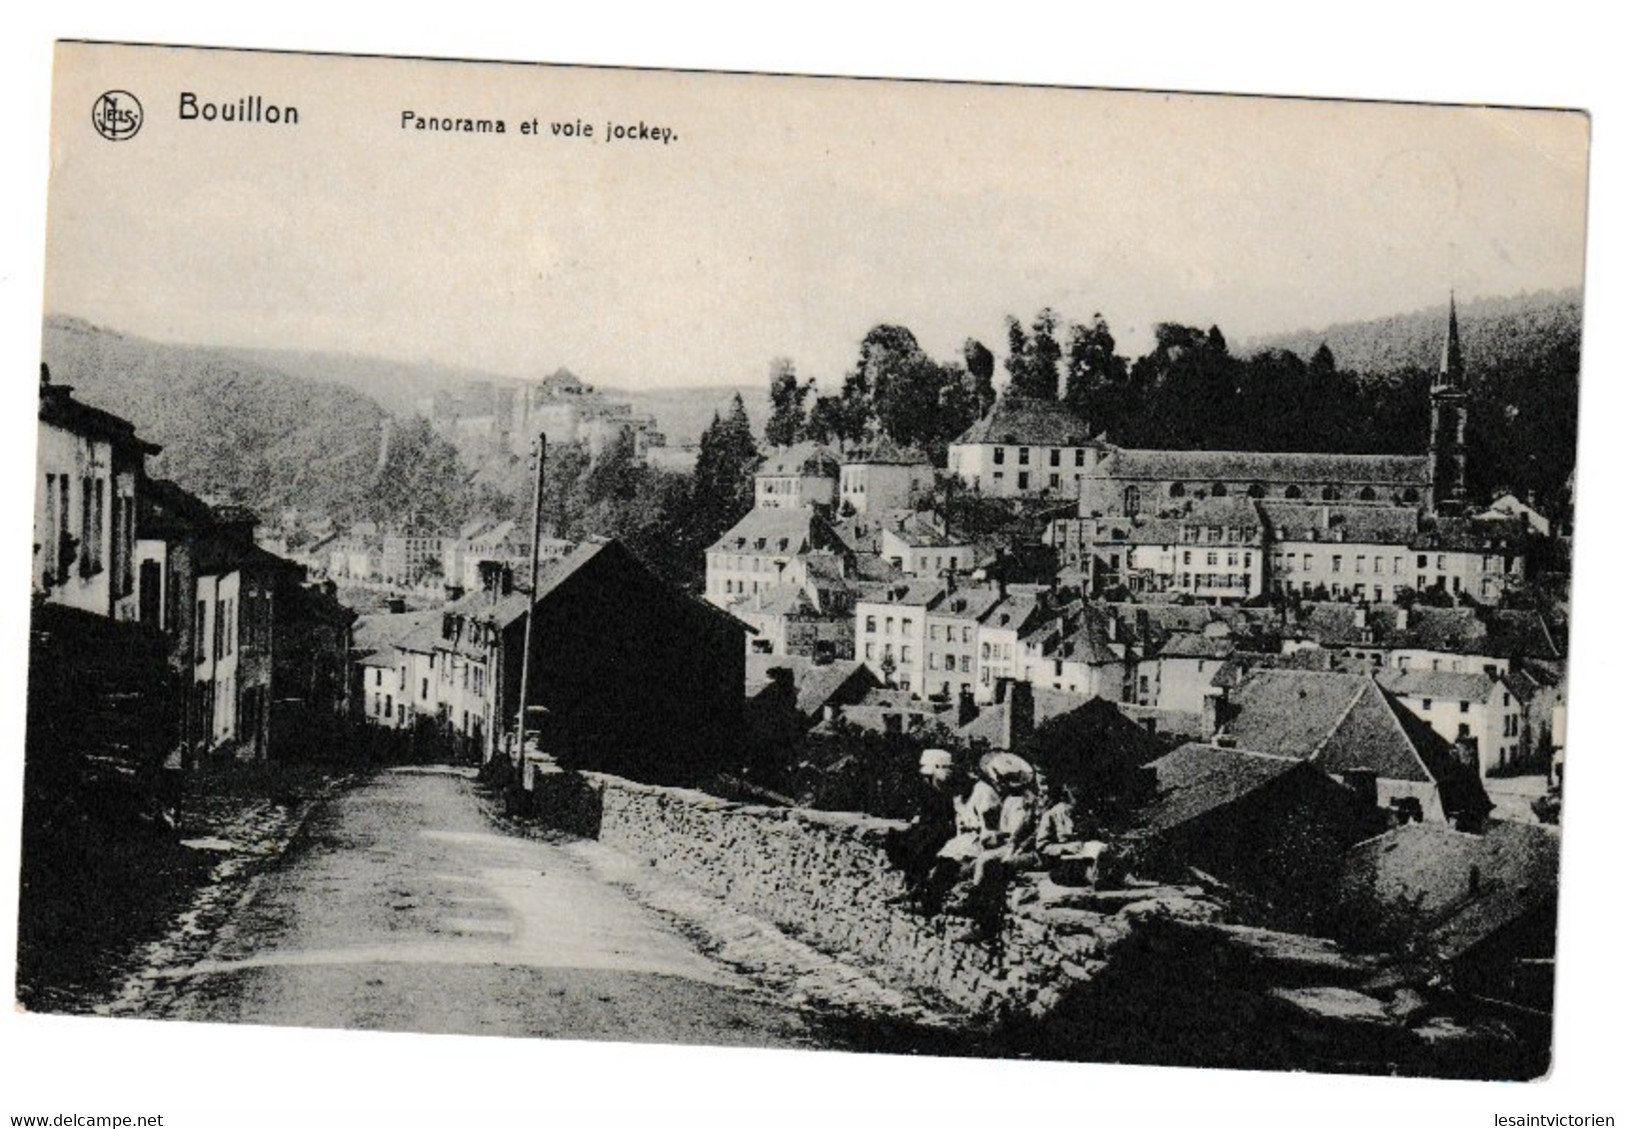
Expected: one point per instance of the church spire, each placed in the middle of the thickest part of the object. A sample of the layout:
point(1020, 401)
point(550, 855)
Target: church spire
point(1447, 437)
point(1452, 373)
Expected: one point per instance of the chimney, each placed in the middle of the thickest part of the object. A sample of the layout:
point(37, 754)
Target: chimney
point(967, 707)
point(1111, 625)
point(1363, 783)
point(490, 578)
point(1018, 715)
point(1216, 711)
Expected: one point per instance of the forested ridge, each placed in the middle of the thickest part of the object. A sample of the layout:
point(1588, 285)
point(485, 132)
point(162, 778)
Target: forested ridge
point(236, 426)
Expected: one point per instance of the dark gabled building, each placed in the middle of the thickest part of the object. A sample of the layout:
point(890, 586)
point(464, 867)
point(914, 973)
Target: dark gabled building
point(633, 676)
point(1485, 905)
point(1273, 826)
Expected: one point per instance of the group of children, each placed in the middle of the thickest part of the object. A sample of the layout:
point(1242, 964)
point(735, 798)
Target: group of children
point(963, 847)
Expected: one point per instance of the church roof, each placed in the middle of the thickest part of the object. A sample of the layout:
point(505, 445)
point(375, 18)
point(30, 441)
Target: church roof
point(1265, 467)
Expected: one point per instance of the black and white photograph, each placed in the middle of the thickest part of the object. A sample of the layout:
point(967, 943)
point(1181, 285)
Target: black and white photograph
point(1035, 581)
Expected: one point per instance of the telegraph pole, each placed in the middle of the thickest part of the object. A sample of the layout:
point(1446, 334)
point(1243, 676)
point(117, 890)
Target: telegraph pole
point(539, 450)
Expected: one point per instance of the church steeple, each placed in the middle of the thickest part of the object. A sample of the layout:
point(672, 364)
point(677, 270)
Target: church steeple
point(1447, 437)
point(1452, 373)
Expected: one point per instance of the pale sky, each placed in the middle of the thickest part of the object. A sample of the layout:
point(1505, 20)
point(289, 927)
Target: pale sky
point(786, 218)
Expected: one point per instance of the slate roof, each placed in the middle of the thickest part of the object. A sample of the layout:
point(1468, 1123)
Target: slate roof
point(1019, 421)
point(378, 631)
point(918, 531)
point(1342, 722)
point(968, 601)
point(816, 684)
point(1195, 780)
point(909, 591)
point(1265, 467)
point(989, 723)
point(806, 457)
point(780, 530)
point(58, 408)
point(1446, 685)
point(1419, 877)
point(1358, 524)
point(885, 452)
point(1497, 632)
point(1497, 533)
point(1346, 723)
point(1187, 645)
point(1017, 611)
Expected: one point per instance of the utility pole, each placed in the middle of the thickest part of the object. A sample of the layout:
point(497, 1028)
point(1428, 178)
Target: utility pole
point(539, 450)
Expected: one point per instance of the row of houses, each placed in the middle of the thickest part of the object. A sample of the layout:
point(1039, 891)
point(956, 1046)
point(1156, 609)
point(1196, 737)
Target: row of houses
point(253, 654)
point(1232, 550)
point(423, 558)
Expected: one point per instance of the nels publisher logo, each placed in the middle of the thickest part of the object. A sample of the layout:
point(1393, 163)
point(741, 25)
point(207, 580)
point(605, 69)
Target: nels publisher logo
point(117, 115)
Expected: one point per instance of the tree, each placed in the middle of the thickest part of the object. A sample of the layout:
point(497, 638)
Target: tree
point(895, 389)
point(1095, 374)
point(1034, 362)
point(979, 364)
point(724, 487)
point(788, 422)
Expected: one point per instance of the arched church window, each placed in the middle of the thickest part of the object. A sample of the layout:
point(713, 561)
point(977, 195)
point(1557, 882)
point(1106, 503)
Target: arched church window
point(1411, 495)
point(1256, 490)
point(1220, 490)
point(1176, 490)
point(1368, 495)
point(1294, 492)
point(1330, 494)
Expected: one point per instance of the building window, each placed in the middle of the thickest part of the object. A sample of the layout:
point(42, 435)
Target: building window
point(1131, 500)
point(1077, 457)
point(1337, 562)
point(1023, 455)
point(869, 624)
point(998, 456)
point(1055, 456)
point(1022, 480)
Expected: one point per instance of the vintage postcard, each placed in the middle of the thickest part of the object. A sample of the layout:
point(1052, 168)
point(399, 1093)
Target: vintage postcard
point(786, 562)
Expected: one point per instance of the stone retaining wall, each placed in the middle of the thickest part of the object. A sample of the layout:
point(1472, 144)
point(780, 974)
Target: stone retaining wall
point(1132, 975)
point(824, 877)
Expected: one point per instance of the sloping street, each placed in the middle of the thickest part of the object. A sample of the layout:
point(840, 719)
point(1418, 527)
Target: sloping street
point(404, 906)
